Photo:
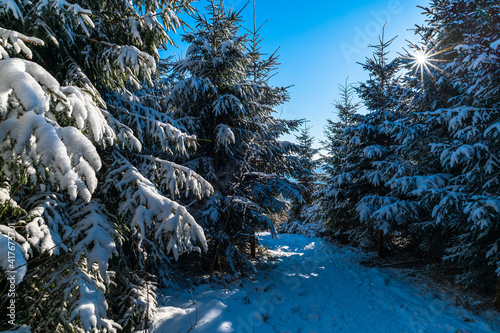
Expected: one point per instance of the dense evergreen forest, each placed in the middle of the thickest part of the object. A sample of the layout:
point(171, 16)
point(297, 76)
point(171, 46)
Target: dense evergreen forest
point(120, 170)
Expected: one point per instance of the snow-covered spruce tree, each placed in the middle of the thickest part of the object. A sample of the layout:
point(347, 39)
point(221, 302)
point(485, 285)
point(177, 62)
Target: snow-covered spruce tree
point(225, 100)
point(93, 211)
point(464, 141)
point(447, 142)
point(363, 157)
point(306, 154)
point(331, 158)
point(347, 114)
point(303, 215)
point(413, 190)
point(287, 160)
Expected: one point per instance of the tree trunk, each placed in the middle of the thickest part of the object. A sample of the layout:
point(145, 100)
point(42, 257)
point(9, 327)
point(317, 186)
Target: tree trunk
point(497, 299)
point(252, 246)
point(380, 237)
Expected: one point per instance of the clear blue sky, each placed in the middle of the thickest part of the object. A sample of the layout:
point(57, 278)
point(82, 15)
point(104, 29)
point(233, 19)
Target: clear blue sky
point(321, 41)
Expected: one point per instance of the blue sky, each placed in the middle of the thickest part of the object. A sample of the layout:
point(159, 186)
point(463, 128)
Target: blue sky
point(321, 41)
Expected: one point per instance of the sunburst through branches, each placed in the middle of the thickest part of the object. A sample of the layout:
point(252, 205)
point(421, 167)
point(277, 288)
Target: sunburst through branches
point(423, 60)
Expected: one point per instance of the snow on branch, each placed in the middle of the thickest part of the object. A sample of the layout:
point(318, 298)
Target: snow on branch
point(14, 40)
point(18, 258)
point(191, 88)
point(482, 211)
point(25, 81)
point(85, 302)
point(138, 300)
point(126, 137)
point(224, 136)
point(228, 104)
point(5, 196)
point(128, 55)
point(419, 185)
point(31, 138)
point(93, 235)
point(80, 107)
point(150, 124)
point(47, 224)
point(10, 6)
point(152, 214)
point(32, 141)
point(174, 177)
point(72, 14)
point(129, 60)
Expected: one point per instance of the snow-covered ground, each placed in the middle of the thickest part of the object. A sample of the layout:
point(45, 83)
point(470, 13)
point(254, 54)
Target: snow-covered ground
point(314, 286)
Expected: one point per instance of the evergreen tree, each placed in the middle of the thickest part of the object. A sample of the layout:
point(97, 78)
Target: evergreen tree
point(303, 215)
point(306, 154)
point(463, 199)
point(383, 75)
point(224, 99)
point(85, 176)
point(447, 193)
point(428, 148)
point(346, 107)
point(362, 155)
point(346, 116)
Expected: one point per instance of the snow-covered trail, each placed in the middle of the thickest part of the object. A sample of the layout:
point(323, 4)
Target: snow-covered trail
point(314, 286)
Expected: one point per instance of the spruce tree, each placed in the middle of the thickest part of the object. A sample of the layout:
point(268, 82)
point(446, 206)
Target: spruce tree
point(439, 153)
point(346, 114)
point(363, 156)
point(464, 143)
point(86, 179)
point(306, 154)
point(446, 195)
point(303, 215)
point(224, 98)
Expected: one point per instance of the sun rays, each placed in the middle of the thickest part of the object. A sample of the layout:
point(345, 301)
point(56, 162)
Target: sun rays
point(423, 60)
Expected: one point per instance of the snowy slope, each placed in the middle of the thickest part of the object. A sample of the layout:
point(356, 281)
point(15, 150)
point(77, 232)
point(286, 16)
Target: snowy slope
point(314, 286)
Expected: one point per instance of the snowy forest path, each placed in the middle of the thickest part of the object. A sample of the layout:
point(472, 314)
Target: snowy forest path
point(310, 286)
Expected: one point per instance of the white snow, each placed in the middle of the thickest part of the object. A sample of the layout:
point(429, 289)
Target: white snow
point(10, 5)
point(16, 40)
point(314, 286)
point(13, 259)
point(225, 136)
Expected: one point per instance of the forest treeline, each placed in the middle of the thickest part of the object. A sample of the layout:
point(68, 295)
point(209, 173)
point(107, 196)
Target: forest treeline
point(119, 168)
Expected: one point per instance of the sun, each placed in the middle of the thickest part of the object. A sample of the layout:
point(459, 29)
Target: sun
point(421, 58)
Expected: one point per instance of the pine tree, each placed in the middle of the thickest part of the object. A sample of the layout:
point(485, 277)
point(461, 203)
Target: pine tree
point(303, 215)
point(223, 97)
point(464, 145)
point(85, 175)
point(363, 156)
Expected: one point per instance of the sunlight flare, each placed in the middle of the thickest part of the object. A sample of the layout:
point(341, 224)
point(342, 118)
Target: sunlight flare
point(421, 58)
point(423, 61)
